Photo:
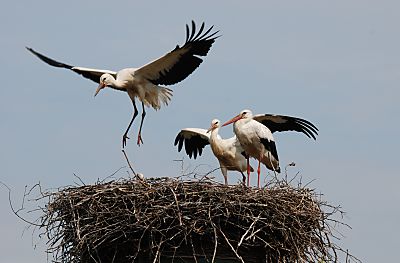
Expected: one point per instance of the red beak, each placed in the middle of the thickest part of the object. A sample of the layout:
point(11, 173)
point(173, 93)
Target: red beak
point(234, 119)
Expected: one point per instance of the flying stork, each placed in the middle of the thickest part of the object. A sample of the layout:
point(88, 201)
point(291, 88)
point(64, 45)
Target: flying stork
point(229, 152)
point(144, 82)
point(255, 135)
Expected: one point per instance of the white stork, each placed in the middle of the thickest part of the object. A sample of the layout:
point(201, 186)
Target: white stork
point(144, 82)
point(229, 152)
point(255, 135)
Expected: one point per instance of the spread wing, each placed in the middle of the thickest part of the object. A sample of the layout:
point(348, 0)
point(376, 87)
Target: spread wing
point(286, 123)
point(178, 64)
point(89, 73)
point(194, 138)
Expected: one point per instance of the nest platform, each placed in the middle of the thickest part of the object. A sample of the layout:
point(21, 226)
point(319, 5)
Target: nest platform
point(170, 220)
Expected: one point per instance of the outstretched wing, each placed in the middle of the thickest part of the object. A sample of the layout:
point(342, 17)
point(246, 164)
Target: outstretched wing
point(195, 139)
point(89, 73)
point(176, 65)
point(286, 123)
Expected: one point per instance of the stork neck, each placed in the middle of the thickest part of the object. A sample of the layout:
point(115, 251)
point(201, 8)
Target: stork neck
point(117, 83)
point(214, 134)
point(239, 124)
point(236, 126)
point(215, 142)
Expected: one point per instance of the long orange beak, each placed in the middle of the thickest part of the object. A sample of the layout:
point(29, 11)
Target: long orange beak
point(100, 87)
point(234, 119)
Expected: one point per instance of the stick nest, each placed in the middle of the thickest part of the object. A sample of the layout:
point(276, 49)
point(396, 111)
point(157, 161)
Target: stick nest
point(170, 220)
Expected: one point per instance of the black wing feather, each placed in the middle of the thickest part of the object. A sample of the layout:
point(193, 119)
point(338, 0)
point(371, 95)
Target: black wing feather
point(279, 123)
point(88, 75)
point(200, 30)
point(271, 147)
point(49, 61)
point(196, 45)
point(193, 30)
point(193, 145)
point(94, 76)
point(187, 35)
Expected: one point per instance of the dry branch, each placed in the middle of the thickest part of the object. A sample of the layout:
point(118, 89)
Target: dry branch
point(169, 220)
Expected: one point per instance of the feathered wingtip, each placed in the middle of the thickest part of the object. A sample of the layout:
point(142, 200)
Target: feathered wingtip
point(199, 36)
point(201, 41)
point(48, 60)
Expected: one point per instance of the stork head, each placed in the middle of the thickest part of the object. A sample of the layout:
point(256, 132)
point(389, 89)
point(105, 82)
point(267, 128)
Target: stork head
point(105, 80)
point(215, 123)
point(244, 114)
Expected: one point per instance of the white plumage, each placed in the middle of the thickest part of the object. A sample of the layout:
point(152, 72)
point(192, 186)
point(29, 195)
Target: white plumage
point(144, 82)
point(255, 135)
point(229, 152)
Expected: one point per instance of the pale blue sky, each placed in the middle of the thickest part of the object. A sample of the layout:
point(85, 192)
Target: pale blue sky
point(335, 63)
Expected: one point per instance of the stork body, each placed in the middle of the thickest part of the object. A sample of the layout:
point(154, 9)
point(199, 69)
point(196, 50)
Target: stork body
point(258, 142)
point(145, 82)
point(229, 152)
point(255, 135)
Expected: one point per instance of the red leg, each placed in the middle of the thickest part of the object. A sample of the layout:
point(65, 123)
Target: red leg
point(258, 173)
point(139, 139)
point(248, 171)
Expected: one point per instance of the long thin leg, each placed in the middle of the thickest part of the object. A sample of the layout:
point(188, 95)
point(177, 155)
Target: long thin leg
point(258, 172)
point(139, 138)
point(225, 174)
point(125, 136)
point(248, 171)
point(244, 178)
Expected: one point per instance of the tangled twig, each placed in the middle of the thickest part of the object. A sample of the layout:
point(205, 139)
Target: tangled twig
point(128, 220)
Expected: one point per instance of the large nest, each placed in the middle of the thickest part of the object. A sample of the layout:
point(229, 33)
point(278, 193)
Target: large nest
point(170, 220)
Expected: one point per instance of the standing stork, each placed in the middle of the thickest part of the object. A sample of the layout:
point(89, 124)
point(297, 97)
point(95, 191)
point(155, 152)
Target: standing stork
point(144, 82)
point(229, 152)
point(255, 135)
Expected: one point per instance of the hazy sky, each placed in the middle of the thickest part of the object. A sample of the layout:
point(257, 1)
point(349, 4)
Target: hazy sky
point(335, 63)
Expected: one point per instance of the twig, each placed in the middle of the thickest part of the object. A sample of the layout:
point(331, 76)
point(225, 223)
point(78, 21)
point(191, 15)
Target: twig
point(247, 231)
point(215, 236)
point(180, 160)
point(79, 179)
point(14, 211)
point(230, 245)
point(177, 207)
point(288, 223)
point(130, 166)
point(111, 175)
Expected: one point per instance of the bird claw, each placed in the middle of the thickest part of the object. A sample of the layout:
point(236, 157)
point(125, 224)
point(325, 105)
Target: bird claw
point(139, 139)
point(124, 137)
